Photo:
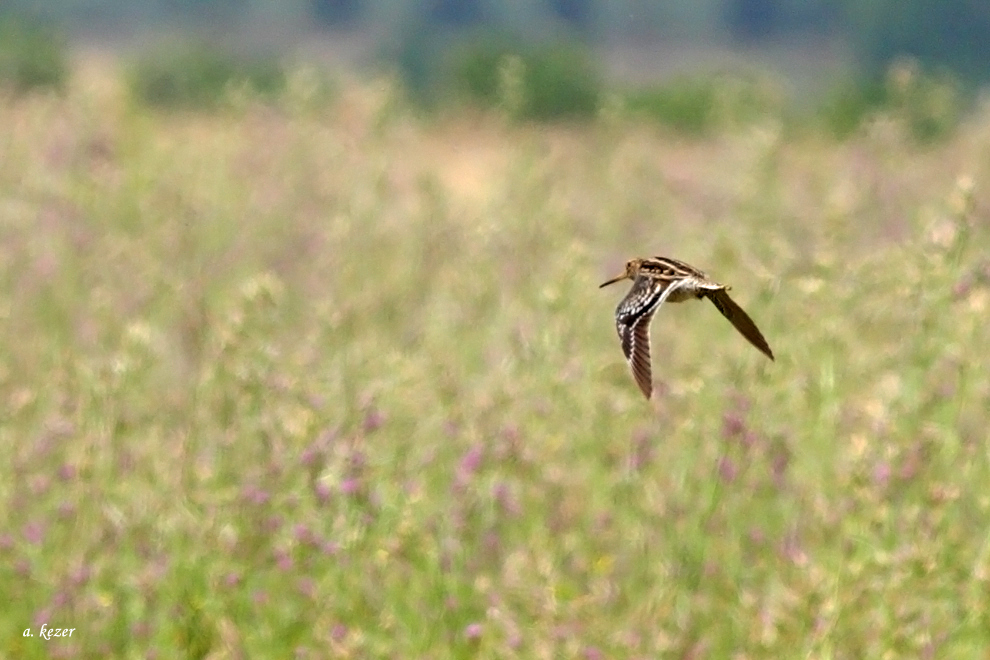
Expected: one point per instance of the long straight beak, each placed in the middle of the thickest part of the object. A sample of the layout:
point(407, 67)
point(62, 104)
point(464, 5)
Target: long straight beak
point(613, 280)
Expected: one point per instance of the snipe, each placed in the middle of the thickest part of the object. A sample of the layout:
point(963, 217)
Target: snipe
point(660, 279)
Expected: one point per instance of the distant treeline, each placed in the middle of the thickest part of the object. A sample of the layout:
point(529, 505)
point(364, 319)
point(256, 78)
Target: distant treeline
point(951, 34)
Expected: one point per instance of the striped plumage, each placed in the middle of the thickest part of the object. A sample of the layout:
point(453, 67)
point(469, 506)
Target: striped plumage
point(660, 279)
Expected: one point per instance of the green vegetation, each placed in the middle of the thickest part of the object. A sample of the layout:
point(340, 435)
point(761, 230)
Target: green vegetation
point(201, 76)
point(546, 82)
point(342, 384)
point(32, 56)
point(943, 33)
point(701, 105)
point(929, 105)
point(491, 70)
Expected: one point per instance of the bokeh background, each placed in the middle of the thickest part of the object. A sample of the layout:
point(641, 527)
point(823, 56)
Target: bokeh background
point(303, 354)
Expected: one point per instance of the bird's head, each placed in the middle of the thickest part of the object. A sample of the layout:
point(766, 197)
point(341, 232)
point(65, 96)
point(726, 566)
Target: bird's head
point(632, 270)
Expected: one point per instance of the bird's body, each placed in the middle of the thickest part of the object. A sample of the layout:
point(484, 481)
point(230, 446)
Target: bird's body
point(660, 279)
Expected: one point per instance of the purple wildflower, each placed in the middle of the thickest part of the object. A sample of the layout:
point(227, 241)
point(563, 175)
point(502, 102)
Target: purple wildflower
point(311, 456)
point(469, 465)
point(322, 491)
point(733, 425)
point(643, 450)
point(304, 535)
point(40, 485)
point(790, 548)
point(42, 616)
point(273, 524)
point(749, 439)
point(507, 502)
point(34, 533)
point(962, 287)
point(373, 420)
point(283, 560)
point(492, 541)
point(356, 460)
point(307, 587)
point(881, 474)
point(778, 467)
point(910, 466)
point(256, 495)
point(79, 576)
point(727, 470)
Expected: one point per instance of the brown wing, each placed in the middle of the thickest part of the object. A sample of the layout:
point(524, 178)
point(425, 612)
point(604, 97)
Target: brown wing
point(740, 319)
point(632, 322)
point(636, 344)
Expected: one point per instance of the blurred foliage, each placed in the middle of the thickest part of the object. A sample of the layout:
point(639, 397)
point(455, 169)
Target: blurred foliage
point(542, 82)
point(699, 105)
point(846, 107)
point(559, 80)
point(202, 76)
point(498, 70)
point(32, 55)
point(417, 52)
point(951, 34)
point(928, 105)
point(759, 19)
point(947, 33)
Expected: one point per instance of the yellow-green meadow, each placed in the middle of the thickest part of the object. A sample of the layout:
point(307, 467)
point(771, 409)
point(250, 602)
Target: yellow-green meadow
point(335, 380)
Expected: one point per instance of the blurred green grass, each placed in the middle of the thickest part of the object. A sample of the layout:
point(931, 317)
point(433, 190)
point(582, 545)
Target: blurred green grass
point(339, 382)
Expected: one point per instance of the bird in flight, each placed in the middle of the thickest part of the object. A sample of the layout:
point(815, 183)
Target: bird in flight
point(655, 281)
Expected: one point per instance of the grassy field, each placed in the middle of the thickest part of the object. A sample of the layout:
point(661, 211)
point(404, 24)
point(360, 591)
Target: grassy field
point(322, 381)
